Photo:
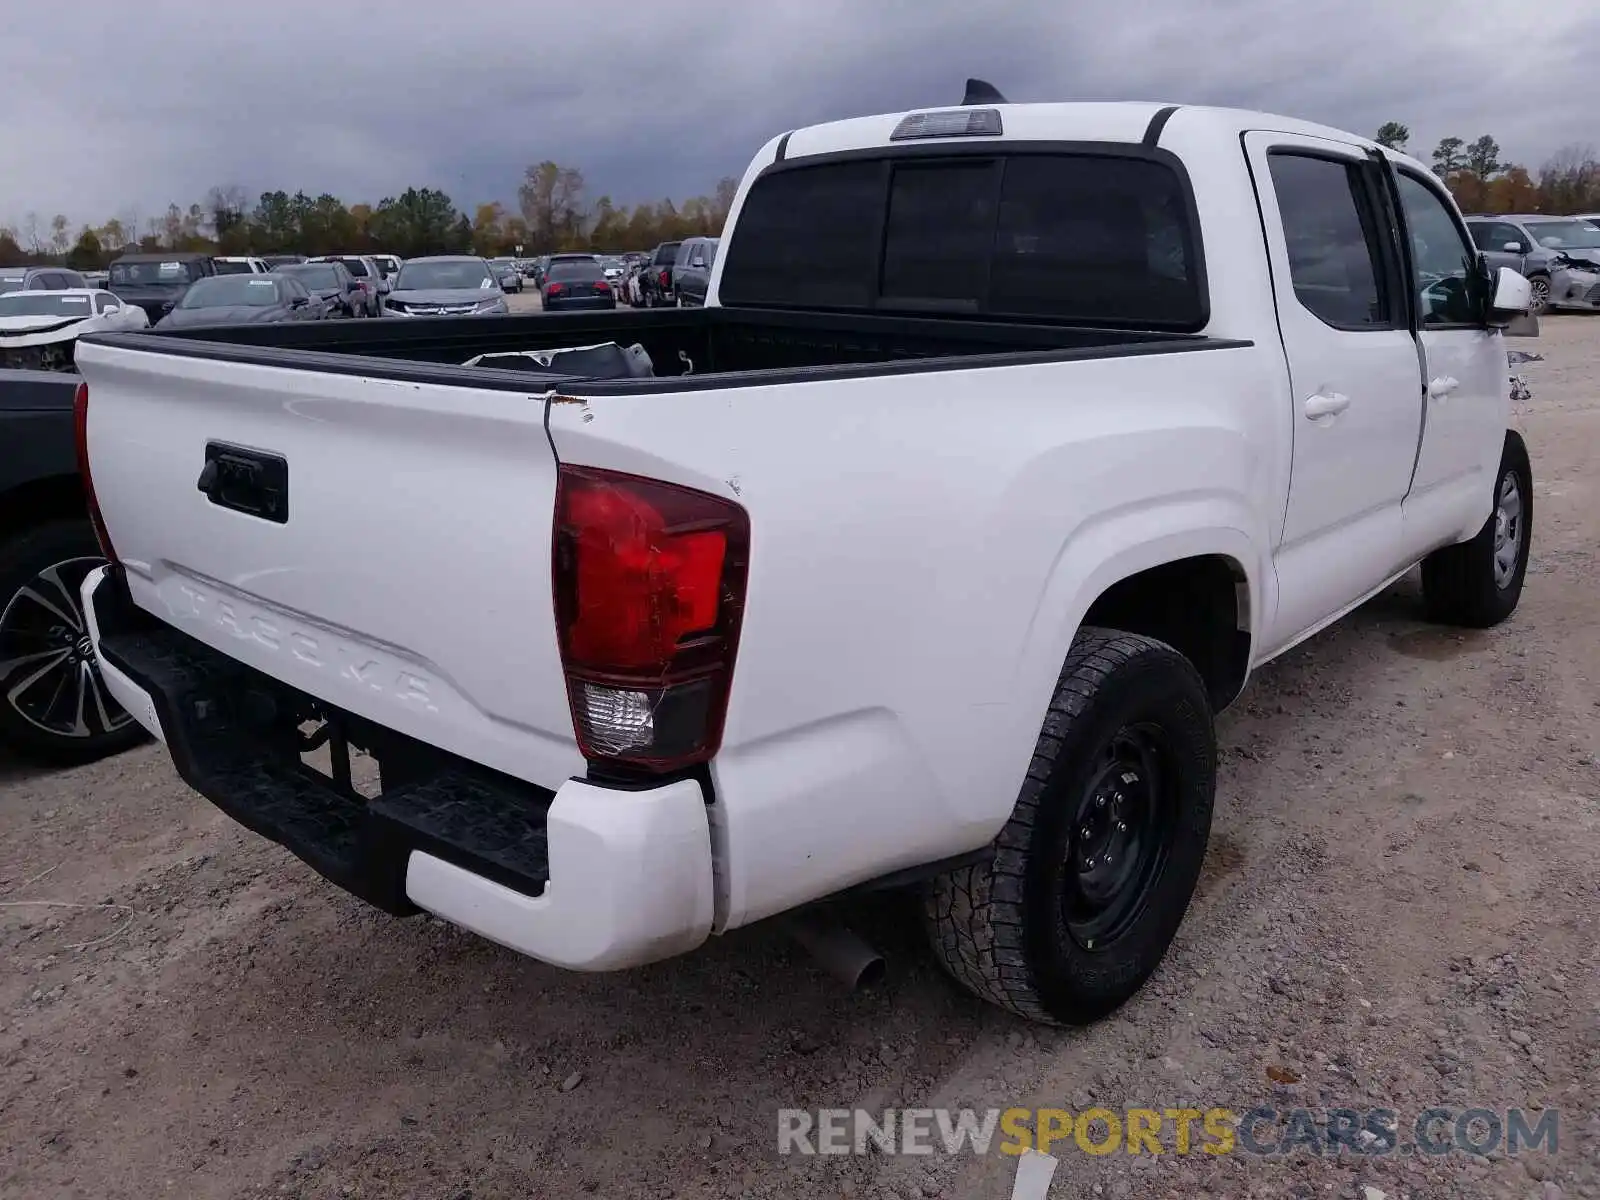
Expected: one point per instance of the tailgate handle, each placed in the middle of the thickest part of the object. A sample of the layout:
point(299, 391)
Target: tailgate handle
point(246, 481)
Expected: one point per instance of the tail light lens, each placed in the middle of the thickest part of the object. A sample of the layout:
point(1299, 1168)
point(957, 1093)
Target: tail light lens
point(666, 280)
point(80, 430)
point(601, 285)
point(552, 289)
point(650, 588)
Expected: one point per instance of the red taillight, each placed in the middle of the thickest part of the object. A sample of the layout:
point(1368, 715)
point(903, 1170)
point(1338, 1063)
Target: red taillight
point(602, 286)
point(649, 585)
point(80, 431)
point(551, 289)
point(666, 280)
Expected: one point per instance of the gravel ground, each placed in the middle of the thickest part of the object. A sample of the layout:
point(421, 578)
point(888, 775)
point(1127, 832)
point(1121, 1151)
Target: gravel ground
point(1399, 911)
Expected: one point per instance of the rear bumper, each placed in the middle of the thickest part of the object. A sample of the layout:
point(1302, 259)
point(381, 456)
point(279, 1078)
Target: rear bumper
point(587, 877)
point(583, 302)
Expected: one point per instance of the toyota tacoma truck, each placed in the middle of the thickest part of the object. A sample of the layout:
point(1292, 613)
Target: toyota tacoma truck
point(1011, 439)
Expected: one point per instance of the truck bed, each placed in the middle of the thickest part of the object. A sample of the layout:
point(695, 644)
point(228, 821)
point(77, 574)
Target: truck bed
point(689, 347)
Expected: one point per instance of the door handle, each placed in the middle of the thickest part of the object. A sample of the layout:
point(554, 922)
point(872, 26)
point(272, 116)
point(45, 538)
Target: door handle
point(1326, 404)
point(1439, 388)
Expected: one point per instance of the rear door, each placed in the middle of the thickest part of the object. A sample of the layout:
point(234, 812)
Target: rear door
point(1467, 386)
point(404, 571)
point(1353, 368)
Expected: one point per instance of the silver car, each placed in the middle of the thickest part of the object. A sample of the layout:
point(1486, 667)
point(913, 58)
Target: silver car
point(1559, 255)
point(506, 272)
point(446, 285)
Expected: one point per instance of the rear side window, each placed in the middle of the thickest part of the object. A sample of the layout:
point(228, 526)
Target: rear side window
point(1332, 239)
point(355, 266)
point(1080, 237)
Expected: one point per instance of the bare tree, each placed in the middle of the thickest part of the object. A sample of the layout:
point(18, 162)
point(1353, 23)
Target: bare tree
point(1570, 181)
point(32, 233)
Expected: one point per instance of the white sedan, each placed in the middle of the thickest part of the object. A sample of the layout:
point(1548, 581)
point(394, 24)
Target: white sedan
point(38, 329)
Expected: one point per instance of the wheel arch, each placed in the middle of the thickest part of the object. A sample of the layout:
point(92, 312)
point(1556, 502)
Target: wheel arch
point(1189, 576)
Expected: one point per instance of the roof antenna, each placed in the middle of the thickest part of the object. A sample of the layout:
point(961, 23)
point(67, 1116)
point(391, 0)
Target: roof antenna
point(979, 92)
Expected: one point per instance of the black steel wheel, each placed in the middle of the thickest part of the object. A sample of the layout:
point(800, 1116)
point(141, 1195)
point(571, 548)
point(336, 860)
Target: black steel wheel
point(1084, 888)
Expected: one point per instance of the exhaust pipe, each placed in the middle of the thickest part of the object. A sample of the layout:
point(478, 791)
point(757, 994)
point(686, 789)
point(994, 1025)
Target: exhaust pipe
point(837, 951)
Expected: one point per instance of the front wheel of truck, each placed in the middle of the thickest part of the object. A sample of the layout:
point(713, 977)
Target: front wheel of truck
point(1084, 888)
point(53, 705)
point(1477, 584)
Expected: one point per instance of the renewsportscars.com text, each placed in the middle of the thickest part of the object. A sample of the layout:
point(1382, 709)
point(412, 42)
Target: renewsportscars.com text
point(1262, 1131)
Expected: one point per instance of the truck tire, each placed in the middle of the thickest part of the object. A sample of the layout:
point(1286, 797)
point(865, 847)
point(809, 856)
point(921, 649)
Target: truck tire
point(53, 706)
point(1477, 584)
point(1084, 888)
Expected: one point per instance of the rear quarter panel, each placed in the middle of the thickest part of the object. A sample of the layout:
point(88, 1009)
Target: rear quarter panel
point(924, 546)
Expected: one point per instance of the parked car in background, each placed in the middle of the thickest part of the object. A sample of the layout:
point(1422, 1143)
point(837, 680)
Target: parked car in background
point(1575, 242)
point(340, 292)
point(577, 284)
point(505, 270)
point(244, 300)
point(39, 330)
point(234, 264)
point(691, 273)
point(96, 279)
point(655, 284)
point(53, 704)
point(614, 266)
point(39, 279)
point(446, 285)
point(1561, 277)
point(375, 289)
point(388, 264)
point(156, 282)
point(282, 260)
point(629, 291)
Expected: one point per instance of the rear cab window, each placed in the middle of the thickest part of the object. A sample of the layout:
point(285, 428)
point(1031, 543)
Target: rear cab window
point(1092, 236)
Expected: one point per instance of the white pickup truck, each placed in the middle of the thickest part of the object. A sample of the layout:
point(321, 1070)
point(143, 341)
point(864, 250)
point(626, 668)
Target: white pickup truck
point(1011, 439)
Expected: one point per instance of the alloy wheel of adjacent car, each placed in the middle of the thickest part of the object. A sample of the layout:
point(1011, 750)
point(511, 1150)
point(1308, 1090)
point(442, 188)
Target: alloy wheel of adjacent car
point(1541, 292)
point(53, 703)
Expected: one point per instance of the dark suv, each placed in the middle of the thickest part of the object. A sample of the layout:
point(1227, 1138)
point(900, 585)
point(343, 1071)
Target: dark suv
point(156, 282)
point(655, 281)
point(691, 274)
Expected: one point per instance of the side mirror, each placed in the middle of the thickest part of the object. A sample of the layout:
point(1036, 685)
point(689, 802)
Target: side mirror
point(168, 305)
point(111, 310)
point(1514, 248)
point(1511, 305)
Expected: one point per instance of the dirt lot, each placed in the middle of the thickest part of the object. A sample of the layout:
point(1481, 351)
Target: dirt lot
point(1401, 910)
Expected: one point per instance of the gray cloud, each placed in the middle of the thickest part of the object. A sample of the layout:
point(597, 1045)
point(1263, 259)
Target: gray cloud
point(132, 106)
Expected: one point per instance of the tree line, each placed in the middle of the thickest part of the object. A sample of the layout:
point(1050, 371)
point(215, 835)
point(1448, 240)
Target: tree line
point(553, 212)
point(1481, 181)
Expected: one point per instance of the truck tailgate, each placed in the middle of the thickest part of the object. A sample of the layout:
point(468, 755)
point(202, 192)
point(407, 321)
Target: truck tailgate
point(399, 569)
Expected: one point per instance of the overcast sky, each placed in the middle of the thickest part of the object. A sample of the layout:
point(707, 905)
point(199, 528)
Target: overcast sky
point(112, 105)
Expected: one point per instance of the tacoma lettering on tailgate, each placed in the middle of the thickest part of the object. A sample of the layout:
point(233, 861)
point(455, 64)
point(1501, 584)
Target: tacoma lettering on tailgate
point(321, 650)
